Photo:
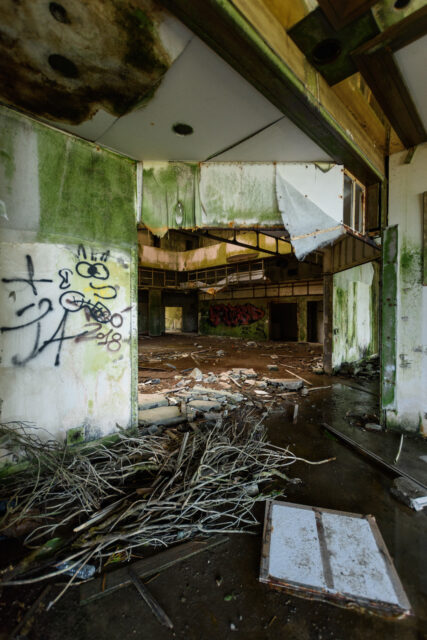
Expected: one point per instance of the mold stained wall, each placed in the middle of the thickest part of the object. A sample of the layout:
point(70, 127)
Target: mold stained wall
point(68, 257)
point(355, 314)
point(407, 184)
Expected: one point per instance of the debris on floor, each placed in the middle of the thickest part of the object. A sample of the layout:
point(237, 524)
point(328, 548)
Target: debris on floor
point(96, 504)
point(332, 556)
point(410, 493)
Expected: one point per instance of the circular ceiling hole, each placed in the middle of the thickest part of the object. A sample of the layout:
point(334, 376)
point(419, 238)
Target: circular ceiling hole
point(326, 51)
point(63, 66)
point(401, 4)
point(59, 12)
point(182, 129)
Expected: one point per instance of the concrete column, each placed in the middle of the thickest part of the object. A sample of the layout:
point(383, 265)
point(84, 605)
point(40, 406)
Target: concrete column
point(302, 320)
point(328, 287)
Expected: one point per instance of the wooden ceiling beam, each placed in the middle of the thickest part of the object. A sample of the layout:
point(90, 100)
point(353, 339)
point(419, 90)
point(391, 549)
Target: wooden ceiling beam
point(340, 13)
point(377, 65)
point(248, 36)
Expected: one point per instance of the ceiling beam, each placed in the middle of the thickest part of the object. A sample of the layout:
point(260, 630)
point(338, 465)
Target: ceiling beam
point(377, 65)
point(251, 40)
point(340, 13)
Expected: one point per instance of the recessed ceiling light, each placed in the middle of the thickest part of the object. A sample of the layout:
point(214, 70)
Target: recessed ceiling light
point(182, 129)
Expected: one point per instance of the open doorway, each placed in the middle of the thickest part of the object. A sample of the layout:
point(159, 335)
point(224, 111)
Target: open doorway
point(284, 321)
point(315, 321)
point(173, 319)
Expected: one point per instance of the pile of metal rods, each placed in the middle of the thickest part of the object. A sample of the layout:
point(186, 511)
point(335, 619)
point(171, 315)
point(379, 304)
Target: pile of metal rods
point(141, 490)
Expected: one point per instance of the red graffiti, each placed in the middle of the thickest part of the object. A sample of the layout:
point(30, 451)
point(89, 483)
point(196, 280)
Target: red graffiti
point(234, 315)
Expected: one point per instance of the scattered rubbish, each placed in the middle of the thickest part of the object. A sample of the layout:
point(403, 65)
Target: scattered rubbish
point(373, 426)
point(284, 383)
point(233, 626)
point(84, 573)
point(151, 401)
point(150, 600)
point(272, 367)
point(409, 493)
point(220, 353)
point(373, 456)
point(332, 556)
point(399, 451)
point(197, 375)
point(219, 581)
point(295, 415)
point(160, 415)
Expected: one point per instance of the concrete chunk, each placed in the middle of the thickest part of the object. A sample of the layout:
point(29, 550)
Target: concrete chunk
point(204, 405)
point(160, 415)
point(151, 401)
point(292, 384)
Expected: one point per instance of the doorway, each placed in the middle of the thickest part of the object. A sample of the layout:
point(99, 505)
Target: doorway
point(173, 319)
point(314, 321)
point(284, 321)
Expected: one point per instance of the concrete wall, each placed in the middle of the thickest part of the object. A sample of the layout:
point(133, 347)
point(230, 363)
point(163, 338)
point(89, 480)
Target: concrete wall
point(355, 314)
point(408, 405)
point(238, 318)
point(68, 281)
point(248, 318)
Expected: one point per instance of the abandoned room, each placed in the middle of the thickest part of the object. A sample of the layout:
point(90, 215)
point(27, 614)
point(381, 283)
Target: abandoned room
point(213, 335)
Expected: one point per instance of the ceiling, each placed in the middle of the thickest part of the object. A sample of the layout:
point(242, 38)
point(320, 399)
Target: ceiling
point(224, 110)
point(411, 61)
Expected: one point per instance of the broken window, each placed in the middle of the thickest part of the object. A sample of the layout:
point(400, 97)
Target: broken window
point(354, 204)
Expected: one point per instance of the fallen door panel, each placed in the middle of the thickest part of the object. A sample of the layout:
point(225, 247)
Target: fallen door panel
point(333, 556)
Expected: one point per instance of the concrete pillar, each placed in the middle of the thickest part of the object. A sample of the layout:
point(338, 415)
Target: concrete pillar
point(302, 320)
point(156, 313)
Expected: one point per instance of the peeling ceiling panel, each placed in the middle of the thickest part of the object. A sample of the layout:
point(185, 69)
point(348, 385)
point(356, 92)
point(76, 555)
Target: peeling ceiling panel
point(310, 200)
point(411, 61)
point(200, 90)
point(281, 142)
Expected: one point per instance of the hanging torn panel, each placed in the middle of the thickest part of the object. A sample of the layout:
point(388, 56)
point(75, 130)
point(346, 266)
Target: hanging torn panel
point(332, 556)
point(310, 200)
point(169, 196)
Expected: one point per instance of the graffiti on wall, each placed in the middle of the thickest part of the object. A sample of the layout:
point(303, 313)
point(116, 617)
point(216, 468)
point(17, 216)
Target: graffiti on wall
point(44, 316)
point(234, 315)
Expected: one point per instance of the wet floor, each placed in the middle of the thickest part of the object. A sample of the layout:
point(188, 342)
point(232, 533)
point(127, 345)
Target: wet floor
point(217, 595)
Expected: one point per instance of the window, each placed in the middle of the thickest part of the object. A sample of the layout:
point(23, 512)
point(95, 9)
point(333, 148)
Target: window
point(354, 204)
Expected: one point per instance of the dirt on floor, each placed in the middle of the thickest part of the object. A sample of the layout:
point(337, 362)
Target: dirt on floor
point(173, 355)
point(216, 594)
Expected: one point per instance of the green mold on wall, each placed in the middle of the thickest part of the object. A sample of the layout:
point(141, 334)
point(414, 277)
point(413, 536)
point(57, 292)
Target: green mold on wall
point(355, 321)
point(85, 192)
point(169, 196)
point(410, 263)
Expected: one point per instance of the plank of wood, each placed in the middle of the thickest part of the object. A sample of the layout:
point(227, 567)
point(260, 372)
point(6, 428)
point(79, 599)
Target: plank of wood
point(110, 582)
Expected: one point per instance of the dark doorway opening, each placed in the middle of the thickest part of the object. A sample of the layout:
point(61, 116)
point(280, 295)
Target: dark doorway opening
point(284, 321)
point(313, 322)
